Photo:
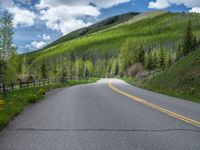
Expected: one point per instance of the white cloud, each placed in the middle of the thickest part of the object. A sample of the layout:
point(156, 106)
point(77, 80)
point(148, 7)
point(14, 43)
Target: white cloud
point(195, 10)
point(45, 37)
point(57, 19)
point(37, 44)
point(161, 4)
point(98, 3)
point(64, 16)
point(21, 16)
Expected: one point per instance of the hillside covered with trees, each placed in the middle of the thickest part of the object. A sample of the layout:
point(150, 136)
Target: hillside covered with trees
point(137, 45)
point(107, 53)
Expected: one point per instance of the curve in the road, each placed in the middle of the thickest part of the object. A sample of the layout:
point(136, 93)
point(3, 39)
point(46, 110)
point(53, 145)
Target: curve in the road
point(163, 110)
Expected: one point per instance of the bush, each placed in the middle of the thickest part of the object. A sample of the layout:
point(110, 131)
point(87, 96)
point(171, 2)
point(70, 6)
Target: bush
point(1, 103)
point(42, 91)
point(32, 98)
point(135, 69)
point(191, 91)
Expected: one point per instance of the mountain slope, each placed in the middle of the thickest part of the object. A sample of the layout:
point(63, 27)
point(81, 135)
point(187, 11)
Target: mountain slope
point(111, 21)
point(166, 29)
point(182, 79)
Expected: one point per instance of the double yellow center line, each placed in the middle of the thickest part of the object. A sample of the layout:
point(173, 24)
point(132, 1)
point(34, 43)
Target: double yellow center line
point(163, 110)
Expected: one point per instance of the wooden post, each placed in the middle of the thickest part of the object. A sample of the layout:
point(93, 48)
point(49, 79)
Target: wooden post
point(4, 89)
point(12, 85)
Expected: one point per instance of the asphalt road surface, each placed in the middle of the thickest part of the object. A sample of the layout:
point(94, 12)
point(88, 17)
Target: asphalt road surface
point(95, 117)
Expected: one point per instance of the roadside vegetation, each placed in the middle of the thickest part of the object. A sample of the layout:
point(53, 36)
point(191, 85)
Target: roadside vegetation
point(16, 101)
point(178, 76)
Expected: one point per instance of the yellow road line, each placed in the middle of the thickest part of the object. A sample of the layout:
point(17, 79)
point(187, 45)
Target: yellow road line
point(163, 110)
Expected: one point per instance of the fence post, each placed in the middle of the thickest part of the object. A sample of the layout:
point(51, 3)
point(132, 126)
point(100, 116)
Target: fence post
point(4, 89)
point(12, 85)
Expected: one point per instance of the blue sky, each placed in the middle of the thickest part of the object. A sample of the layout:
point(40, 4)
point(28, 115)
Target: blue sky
point(39, 22)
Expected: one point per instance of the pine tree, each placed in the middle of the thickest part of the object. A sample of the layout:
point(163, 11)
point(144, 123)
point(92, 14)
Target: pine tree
point(162, 59)
point(154, 61)
point(169, 60)
point(188, 39)
point(140, 57)
point(149, 62)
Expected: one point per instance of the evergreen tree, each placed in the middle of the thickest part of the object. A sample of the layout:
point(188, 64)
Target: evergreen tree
point(188, 39)
point(162, 59)
point(169, 60)
point(140, 57)
point(149, 62)
point(154, 60)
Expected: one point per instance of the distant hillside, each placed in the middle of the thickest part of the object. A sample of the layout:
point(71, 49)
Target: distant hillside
point(182, 79)
point(165, 29)
point(95, 27)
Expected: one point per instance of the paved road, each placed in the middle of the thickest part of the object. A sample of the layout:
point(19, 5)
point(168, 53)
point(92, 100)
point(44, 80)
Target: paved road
point(94, 117)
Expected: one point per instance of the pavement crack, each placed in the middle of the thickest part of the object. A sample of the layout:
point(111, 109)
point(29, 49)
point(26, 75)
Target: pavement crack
point(104, 130)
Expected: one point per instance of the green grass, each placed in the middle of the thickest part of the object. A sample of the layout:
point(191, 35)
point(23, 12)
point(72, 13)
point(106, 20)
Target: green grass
point(17, 100)
point(102, 25)
point(181, 80)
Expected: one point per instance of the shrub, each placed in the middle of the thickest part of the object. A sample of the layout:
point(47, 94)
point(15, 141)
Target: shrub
point(191, 91)
point(135, 69)
point(1, 103)
point(42, 91)
point(32, 98)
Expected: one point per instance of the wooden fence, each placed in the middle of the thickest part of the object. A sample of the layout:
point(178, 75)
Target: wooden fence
point(12, 86)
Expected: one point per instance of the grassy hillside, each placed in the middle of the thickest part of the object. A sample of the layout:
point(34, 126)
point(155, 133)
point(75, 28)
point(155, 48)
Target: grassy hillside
point(166, 29)
point(181, 80)
point(107, 23)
